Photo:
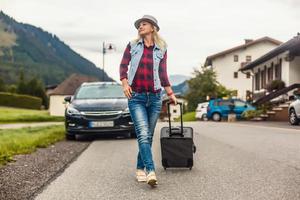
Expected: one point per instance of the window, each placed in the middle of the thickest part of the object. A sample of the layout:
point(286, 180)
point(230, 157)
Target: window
point(270, 72)
point(278, 70)
point(239, 103)
point(236, 58)
point(257, 80)
point(248, 75)
point(248, 58)
point(235, 75)
point(263, 78)
point(224, 103)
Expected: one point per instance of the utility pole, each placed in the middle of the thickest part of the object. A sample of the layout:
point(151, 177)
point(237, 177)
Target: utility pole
point(106, 48)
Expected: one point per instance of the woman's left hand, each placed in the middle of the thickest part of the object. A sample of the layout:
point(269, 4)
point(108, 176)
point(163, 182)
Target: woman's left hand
point(173, 99)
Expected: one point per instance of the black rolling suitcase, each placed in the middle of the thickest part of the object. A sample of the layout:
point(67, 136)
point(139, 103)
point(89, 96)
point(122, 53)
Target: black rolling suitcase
point(177, 146)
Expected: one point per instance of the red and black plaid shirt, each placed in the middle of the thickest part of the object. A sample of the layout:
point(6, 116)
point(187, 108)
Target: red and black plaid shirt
point(143, 79)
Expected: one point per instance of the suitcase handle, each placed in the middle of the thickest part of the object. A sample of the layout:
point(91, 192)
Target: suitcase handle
point(169, 116)
point(175, 131)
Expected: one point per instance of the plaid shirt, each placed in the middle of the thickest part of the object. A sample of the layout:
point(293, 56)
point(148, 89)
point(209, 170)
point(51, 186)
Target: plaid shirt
point(143, 79)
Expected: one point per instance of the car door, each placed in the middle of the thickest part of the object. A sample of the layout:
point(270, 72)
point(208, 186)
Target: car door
point(239, 107)
point(224, 107)
point(297, 106)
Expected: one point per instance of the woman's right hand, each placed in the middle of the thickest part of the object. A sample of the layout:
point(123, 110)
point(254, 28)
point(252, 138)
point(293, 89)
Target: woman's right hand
point(126, 88)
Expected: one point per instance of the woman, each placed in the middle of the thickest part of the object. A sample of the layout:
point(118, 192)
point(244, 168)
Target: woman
point(147, 56)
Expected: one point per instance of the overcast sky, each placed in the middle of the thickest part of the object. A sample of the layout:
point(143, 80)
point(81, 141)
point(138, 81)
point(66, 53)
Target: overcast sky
point(193, 29)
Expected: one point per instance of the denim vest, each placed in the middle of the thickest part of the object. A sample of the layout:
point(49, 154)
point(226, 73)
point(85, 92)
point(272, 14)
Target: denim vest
point(136, 51)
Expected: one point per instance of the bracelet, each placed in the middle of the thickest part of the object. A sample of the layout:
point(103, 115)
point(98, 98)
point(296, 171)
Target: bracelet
point(169, 94)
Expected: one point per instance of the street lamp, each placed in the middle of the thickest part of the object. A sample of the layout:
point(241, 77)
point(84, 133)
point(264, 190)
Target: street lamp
point(105, 48)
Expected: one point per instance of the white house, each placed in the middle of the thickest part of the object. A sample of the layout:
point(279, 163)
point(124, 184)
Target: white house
point(68, 87)
point(281, 63)
point(228, 63)
point(174, 109)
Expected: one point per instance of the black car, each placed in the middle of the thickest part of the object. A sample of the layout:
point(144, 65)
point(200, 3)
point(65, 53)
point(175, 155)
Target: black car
point(98, 108)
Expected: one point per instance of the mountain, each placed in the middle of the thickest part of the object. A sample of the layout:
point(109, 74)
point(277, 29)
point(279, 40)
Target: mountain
point(177, 79)
point(181, 88)
point(38, 53)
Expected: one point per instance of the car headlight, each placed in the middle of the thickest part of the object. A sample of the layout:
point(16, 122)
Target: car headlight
point(72, 111)
point(126, 111)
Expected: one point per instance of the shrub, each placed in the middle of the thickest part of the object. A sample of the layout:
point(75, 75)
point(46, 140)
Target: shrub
point(275, 85)
point(249, 114)
point(20, 101)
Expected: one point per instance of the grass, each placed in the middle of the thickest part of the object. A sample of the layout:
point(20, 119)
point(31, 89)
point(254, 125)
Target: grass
point(14, 115)
point(190, 116)
point(26, 140)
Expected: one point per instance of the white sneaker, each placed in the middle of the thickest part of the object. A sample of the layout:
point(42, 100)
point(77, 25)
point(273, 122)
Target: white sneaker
point(141, 175)
point(151, 178)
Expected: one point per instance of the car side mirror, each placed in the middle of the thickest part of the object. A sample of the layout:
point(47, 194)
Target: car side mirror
point(68, 99)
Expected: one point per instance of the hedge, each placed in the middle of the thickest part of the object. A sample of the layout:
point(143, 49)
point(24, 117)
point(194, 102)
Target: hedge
point(20, 101)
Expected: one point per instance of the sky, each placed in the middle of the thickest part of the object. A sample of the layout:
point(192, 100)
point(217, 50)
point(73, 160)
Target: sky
point(193, 29)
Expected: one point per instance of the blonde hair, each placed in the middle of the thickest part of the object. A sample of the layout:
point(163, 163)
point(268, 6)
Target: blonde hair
point(158, 40)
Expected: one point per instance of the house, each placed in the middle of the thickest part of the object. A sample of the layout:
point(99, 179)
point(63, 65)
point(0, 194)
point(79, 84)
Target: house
point(281, 63)
point(49, 89)
point(68, 87)
point(174, 109)
point(228, 63)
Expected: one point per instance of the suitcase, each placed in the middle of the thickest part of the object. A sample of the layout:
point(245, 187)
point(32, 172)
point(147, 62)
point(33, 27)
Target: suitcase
point(177, 146)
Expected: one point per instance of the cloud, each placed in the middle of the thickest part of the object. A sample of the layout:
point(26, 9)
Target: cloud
point(193, 29)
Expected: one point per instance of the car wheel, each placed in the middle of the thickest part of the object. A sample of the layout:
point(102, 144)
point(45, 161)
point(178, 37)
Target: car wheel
point(293, 117)
point(204, 117)
point(216, 117)
point(70, 137)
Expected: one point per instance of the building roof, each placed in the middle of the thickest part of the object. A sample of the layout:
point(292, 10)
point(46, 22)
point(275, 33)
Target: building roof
point(292, 45)
point(69, 86)
point(248, 43)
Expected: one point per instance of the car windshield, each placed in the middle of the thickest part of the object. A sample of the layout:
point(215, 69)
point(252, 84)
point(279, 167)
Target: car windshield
point(239, 103)
point(100, 92)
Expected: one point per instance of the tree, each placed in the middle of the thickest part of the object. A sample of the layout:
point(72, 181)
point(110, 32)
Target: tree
point(34, 87)
point(202, 85)
point(21, 85)
point(2, 85)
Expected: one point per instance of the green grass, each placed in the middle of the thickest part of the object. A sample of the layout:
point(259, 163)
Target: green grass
point(14, 115)
point(190, 116)
point(26, 140)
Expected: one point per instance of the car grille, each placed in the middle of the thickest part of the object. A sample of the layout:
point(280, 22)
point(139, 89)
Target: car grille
point(100, 114)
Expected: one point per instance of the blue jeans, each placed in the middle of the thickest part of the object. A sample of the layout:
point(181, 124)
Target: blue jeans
point(144, 110)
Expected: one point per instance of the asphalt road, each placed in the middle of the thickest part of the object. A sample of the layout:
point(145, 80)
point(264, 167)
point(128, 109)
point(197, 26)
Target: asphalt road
point(233, 161)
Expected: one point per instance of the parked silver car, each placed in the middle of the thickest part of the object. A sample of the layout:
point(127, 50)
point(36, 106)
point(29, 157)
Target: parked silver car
point(294, 111)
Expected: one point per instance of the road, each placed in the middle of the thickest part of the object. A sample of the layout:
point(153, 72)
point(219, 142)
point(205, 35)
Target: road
point(233, 161)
